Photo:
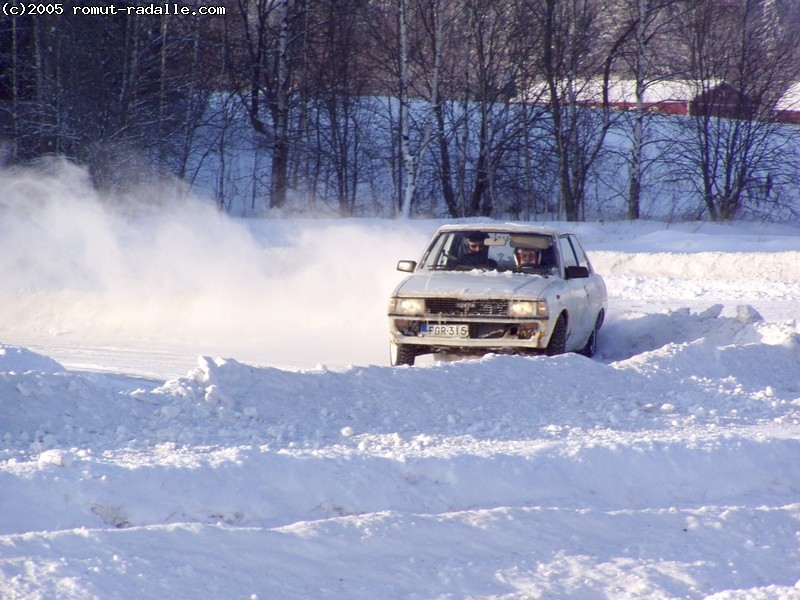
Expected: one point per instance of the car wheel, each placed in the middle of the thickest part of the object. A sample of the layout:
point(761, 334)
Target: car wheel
point(401, 354)
point(591, 344)
point(558, 340)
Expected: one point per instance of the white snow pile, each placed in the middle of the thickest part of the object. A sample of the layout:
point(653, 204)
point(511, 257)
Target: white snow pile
point(666, 467)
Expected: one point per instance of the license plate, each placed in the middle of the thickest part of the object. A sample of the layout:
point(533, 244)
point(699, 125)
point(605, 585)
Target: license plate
point(445, 331)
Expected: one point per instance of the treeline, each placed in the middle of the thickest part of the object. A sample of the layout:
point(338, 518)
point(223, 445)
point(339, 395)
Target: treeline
point(500, 108)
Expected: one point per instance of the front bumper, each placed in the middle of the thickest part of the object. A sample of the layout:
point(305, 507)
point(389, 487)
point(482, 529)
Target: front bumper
point(495, 335)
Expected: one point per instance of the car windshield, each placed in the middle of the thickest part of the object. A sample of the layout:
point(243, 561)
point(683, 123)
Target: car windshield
point(492, 250)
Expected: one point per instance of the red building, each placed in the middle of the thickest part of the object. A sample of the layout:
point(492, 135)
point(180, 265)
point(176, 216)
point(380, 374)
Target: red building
point(676, 97)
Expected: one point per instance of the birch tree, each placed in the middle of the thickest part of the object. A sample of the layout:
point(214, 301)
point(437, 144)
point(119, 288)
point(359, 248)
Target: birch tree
point(653, 23)
point(410, 160)
point(412, 157)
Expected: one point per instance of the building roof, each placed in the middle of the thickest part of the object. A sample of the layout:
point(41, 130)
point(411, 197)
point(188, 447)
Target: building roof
point(623, 91)
point(791, 99)
point(659, 94)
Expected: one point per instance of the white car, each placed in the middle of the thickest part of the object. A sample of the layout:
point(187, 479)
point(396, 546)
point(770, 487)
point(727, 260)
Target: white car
point(509, 288)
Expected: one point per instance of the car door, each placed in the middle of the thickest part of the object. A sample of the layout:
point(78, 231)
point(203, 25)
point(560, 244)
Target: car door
point(579, 304)
point(593, 285)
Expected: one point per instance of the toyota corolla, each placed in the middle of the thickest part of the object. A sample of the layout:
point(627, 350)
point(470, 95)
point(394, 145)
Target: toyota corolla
point(497, 288)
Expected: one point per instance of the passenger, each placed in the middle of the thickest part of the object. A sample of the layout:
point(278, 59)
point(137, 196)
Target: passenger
point(476, 253)
point(527, 257)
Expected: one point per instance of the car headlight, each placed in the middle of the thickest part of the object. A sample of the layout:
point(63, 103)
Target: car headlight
point(409, 306)
point(527, 309)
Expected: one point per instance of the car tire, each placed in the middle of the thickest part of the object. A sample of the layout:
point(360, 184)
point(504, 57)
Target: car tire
point(591, 344)
point(401, 354)
point(558, 339)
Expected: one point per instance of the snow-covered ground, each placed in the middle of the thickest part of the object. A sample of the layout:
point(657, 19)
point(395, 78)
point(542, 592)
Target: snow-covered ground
point(198, 408)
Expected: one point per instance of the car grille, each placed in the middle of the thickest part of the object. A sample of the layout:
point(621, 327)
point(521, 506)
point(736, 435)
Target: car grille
point(466, 308)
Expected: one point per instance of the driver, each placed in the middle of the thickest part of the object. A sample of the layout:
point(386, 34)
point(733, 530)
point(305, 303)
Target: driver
point(476, 253)
point(527, 257)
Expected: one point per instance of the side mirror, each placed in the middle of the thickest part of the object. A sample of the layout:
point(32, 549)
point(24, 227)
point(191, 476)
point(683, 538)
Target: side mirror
point(576, 272)
point(407, 266)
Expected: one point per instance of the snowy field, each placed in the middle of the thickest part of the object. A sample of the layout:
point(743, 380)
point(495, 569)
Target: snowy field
point(192, 407)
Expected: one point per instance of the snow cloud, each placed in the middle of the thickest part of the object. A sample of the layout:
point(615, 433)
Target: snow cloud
point(138, 270)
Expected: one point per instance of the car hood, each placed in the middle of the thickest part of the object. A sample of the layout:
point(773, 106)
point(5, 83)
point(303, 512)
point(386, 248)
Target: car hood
point(475, 284)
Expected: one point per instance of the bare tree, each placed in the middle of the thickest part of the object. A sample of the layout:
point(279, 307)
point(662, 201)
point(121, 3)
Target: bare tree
point(478, 124)
point(334, 115)
point(743, 57)
point(431, 72)
point(647, 61)
point(437, 20)
point(110, 94)
point(577, 53)
point(407, 53)
point(491, 84)
point(271, 35)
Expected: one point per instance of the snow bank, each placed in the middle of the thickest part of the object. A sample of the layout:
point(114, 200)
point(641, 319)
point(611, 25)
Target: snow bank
point(735, 266)
point(668, 471)
point(22, 360)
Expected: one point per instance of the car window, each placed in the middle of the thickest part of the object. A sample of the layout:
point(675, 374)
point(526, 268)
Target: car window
point(450, 251)
point(437, 255)
point(501, 250)
point(579, 253)
point(568, 257)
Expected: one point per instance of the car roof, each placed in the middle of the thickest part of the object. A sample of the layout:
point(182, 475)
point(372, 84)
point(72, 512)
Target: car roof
point(502, 228)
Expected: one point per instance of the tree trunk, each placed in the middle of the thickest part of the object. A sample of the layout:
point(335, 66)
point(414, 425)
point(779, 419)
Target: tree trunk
point(280, 147)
